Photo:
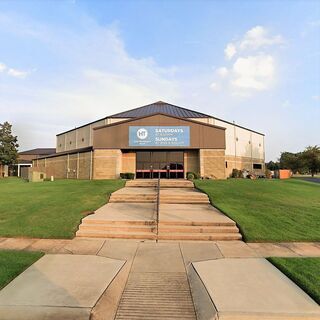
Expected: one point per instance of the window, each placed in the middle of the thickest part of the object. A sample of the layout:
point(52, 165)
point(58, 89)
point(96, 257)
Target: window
point(257, 166)
point(82, 139)
point(70, 142)
point(226, 164)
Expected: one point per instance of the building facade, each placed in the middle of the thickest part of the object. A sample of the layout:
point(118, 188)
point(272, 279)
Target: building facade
point(156, 139)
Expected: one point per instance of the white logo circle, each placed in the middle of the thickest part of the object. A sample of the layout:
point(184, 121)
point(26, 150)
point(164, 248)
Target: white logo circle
point(142, 133)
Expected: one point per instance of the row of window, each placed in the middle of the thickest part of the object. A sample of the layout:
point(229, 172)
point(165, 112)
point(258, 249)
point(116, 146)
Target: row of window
point(255, 165)
point(60, 145)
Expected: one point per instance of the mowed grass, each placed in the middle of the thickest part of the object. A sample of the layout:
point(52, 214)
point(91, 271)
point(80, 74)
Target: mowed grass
point(12, 263)
point(268, 210)
point(49, 209)
point(305, 272)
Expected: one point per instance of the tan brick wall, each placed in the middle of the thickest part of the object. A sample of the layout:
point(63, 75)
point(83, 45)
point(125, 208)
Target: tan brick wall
point(212, 163)
point(60, 167)
point(241, 163)
point(129, 162)
point(191, 161)
point(107, 163)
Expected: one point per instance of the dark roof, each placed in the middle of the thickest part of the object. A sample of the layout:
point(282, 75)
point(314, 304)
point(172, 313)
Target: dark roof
point(80, 150)
point(154, 114)
point(164, 108)
point(160, 107)
point(39, 151)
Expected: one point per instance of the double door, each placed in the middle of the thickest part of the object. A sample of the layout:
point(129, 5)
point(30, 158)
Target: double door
point(163, 164)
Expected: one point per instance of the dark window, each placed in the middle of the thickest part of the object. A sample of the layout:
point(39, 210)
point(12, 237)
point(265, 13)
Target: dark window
point(257, 166)
point(70, 142)
point(226, 164)
point(82, 139)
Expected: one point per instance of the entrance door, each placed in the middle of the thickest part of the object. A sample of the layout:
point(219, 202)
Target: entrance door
point(166, 164)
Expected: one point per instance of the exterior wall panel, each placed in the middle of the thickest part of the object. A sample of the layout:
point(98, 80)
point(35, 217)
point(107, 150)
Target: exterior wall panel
point(117, 136)
point(212, 163)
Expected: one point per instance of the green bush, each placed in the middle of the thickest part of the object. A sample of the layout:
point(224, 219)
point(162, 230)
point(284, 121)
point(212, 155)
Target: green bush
point(127, 175)
point(192, 175)
point(236, 173)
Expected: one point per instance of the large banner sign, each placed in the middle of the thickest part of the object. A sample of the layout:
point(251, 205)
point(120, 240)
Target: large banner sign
point(149, 136)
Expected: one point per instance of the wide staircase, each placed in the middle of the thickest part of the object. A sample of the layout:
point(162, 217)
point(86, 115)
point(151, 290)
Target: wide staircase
point(175, 211)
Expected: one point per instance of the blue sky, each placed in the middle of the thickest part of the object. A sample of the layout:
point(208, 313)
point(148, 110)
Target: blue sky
point(65, 63)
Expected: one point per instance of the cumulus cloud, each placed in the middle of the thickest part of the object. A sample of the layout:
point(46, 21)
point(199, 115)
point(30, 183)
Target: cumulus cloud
point(222, 72)
point(13, 72)
point(259, 37)
point(253, 66)
point(230, 51)
point(253, 72)
point(17, 73)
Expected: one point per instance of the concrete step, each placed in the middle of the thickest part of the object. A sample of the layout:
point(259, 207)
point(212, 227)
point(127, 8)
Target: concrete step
point(195, 223)
point(142, 198)
point(117, 228)
point(141, 183)
point(182, 201)
point(165, 183)
point(199, 236)
point(115, 234)
point(120, 222)
point(197, 229)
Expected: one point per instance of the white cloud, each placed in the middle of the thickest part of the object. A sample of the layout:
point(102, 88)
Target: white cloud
point(254, 72)
point(259, 37)
point(222, 72)
point(215, 86)
point(17, 73)
point(3, 67)
point(230, 51)
point(316, 97)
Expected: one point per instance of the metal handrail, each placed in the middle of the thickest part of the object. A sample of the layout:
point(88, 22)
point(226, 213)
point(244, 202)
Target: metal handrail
point(158, 206)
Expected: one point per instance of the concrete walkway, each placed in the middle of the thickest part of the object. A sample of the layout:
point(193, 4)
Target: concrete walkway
point(58, 287)
point(228, 249)
point(153, 272)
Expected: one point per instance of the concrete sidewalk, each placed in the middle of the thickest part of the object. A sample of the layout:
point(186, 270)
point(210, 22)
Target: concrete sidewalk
point(58, 287)
point(153, 281)
point(228, 249)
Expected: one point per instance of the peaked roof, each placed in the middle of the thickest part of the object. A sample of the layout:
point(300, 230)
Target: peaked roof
point(160, 107)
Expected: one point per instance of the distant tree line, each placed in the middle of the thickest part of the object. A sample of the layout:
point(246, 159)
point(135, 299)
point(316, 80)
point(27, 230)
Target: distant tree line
point(307, 161)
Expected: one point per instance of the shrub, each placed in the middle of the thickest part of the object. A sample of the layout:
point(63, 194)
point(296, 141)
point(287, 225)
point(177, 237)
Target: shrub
point(127, 175)
point(192, 175)
point(236, 173)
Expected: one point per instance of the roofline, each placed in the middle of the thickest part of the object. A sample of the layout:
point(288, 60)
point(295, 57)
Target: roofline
point(158, 113)
point(204, 116)
point(62, 153)
point(23, 152)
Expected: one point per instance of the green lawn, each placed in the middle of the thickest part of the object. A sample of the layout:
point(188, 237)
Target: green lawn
point(268, 210)
point(12, 263)
point(49, 209)
point(305, 272)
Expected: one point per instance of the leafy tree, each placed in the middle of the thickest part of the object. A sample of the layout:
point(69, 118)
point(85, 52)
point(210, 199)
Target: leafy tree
point(311, 158)
point(292, 161)
point(8, 145)
point(273, 165)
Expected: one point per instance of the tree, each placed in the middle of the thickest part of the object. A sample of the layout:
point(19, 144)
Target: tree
point(8, 145)
point(292, 161)
point(272, 165)
point(311, 159)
